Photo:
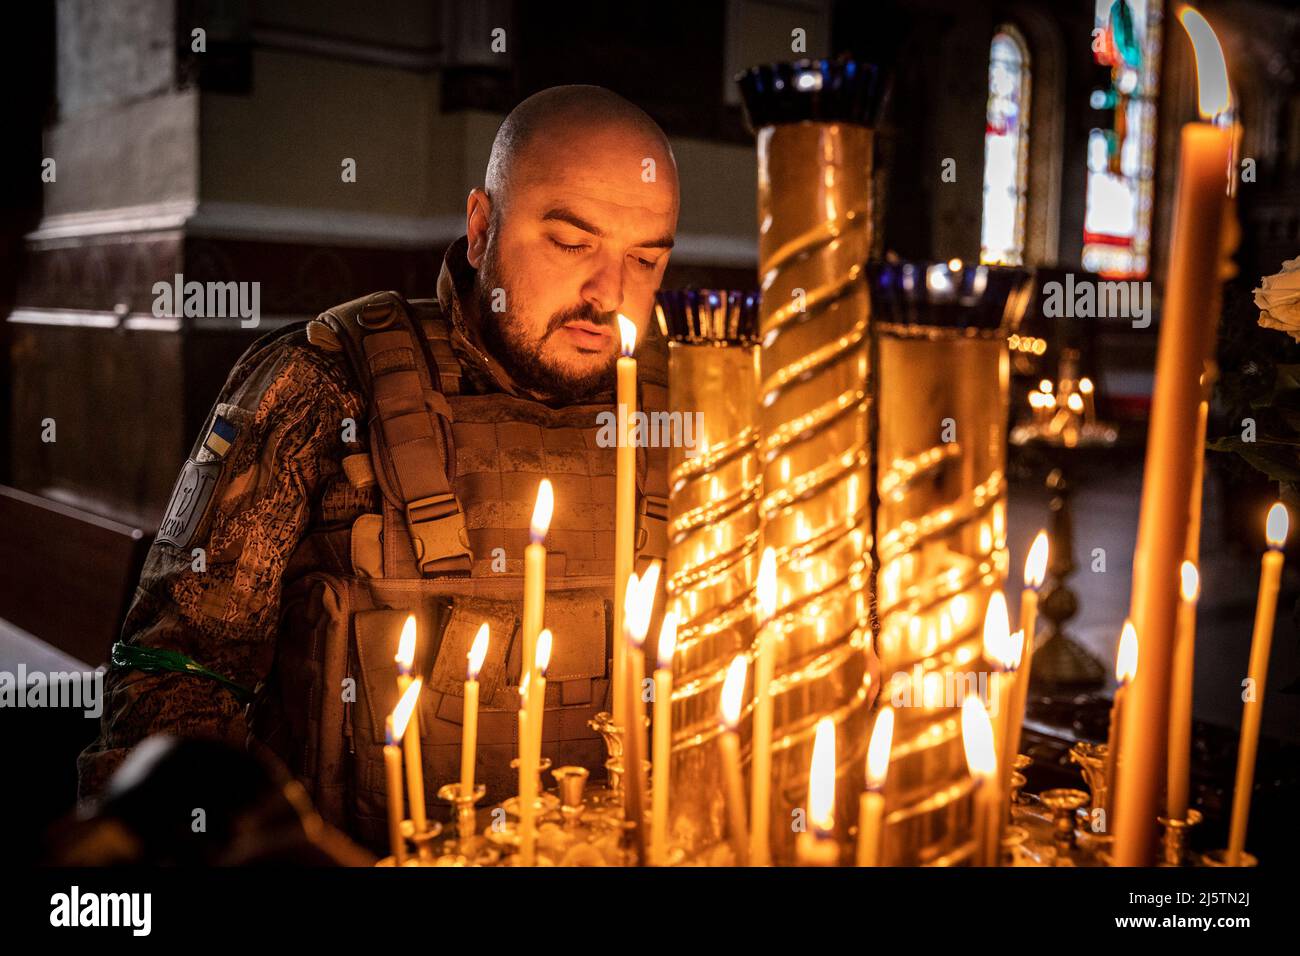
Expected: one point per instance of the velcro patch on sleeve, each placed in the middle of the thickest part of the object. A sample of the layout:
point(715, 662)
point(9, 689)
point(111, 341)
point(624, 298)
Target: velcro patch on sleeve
point(189, 502)
point(220, 436)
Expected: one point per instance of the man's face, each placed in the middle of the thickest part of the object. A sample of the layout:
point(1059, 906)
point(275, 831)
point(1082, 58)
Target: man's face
point(581, 237)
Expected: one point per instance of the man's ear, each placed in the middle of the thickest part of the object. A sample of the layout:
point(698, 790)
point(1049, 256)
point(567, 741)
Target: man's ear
point(478, 212)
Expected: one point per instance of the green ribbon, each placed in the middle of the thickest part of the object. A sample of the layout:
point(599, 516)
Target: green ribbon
point(155, 660)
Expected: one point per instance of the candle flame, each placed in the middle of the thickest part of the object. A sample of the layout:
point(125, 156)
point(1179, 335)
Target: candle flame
point(733, 691)
point(766, 585)
point(405, 656)
point(478, 651)
point(1045, 386)
point(882, 739)
point(821, 778)
point(1212, 91)
point(638, 604)
point(1085, 386)
point(1074, 403)
point(1191, 582)
point(1015, 650)
point(1276, 526)
point(1036, 563)
point(543, 654)
point(627, 334)
point(1126, 658)
point(997, 632)
point(404, 709)
point(667, 640)
point(541, 522)
point(977, 739)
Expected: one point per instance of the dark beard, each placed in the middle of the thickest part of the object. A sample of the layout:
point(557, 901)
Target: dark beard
point(521, 356)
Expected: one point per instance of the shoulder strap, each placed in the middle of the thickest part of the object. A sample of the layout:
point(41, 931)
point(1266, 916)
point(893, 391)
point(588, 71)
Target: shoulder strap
point(411, 441)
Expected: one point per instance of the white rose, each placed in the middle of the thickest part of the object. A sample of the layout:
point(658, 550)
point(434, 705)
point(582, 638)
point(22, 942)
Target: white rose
point(1279, 300)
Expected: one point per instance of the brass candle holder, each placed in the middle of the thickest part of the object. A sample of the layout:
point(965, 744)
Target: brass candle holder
point(713, 536)
point(463, 807)
point(814, 122)
point(1175, 842)
point(940, 377)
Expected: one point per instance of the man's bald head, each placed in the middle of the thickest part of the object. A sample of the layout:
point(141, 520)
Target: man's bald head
point(574, 226)
point(562, 118)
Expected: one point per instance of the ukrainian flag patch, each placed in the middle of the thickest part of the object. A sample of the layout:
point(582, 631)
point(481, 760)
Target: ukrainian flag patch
point(220, 436)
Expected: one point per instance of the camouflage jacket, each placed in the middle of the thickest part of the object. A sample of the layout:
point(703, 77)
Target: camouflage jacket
point(264, 473)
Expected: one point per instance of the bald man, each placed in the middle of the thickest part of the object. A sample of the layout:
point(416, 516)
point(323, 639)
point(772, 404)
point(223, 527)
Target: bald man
point(383, 460)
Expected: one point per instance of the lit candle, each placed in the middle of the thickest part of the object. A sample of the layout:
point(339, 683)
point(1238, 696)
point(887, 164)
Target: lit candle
point(733, 694)
point(982, 761)
point(411, 740)
point(535, 573)
point(527, 780)
point(1126, 661)
point(469, 726)
point(1270, 578)
point(1001, 660)
point(1089, 401)
point(816, 846)
point(638, 607)
point(537, 701)
point(871, 805)
point(1187, 335)
point(1035, 574)
point(760, 773)
point(661, 757)
point(395, 729)
point(1180, 705)
point(624, 506)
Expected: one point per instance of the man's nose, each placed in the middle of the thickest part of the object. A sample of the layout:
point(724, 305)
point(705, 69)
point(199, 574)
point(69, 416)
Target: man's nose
point(604, 287)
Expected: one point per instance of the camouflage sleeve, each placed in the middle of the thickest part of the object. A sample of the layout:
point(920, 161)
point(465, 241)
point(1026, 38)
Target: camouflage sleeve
point(210, 588)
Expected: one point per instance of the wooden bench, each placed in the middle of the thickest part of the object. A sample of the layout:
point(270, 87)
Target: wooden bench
point(67, 575)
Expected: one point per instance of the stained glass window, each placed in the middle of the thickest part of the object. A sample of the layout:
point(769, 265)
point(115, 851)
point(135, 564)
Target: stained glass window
point(1121, 159)
point(1006, 150)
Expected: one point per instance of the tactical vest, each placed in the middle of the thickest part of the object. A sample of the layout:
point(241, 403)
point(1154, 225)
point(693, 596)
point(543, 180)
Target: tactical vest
point(457, 474)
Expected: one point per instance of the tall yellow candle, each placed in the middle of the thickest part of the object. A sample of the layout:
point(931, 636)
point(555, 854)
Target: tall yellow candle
point(636, 621)
point(1001, 660)
point(1035, 574)
point(527, 782)
point(535, 574)
point(1180, 704)
point(733, 695)
point(469, 725)
point(1187, 330)
point(760, 771)
point(662, 745)
point(411, 739)
point(624, 506)
point(982, 761)
point(1126, 661)
point(1270, 578)
point(871, 805)
point(816, 846)
point(537, 697)
point(395, 729)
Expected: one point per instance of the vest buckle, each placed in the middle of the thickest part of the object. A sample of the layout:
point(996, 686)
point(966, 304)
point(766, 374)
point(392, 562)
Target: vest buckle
point(438, 534)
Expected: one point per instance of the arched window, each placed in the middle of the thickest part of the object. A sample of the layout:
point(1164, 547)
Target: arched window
point(1121, 159)
point(1006, 150)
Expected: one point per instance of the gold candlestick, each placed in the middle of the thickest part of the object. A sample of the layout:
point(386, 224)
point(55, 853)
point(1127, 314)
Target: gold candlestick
point(625, 508)
point(663, 727)
point(1126, 661)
